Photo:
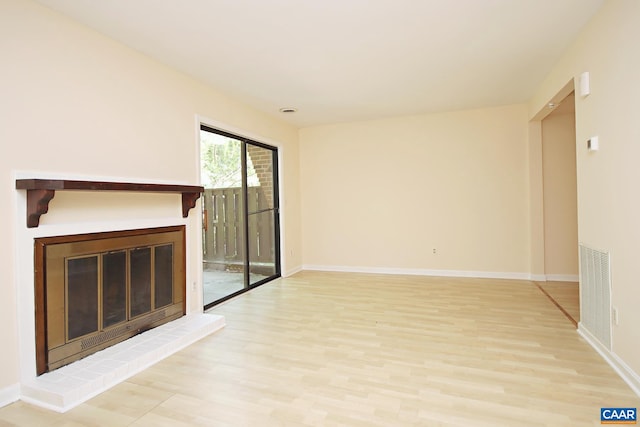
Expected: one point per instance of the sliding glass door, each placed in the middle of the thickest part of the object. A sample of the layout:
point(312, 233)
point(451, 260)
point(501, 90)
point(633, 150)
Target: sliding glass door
point(223, 216)
point(262, 213)
point(240, 214)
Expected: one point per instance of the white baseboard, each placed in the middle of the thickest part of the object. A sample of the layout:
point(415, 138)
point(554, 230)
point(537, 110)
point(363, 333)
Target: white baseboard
point(618, 365)
point(292, 271)
point(562, 278)
point(9, 394)
point(421, 272)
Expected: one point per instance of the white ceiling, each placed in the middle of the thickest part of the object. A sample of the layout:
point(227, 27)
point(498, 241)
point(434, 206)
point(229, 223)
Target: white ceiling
point(346, 60)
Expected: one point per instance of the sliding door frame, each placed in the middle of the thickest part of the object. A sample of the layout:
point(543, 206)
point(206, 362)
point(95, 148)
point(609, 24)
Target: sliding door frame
point(245, 206)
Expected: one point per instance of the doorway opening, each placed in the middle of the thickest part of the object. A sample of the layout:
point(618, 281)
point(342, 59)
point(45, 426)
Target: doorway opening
point(241, 230)
point(560, 207)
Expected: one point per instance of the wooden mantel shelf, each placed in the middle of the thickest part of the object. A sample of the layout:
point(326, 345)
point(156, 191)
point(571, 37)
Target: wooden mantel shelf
point(41, 191)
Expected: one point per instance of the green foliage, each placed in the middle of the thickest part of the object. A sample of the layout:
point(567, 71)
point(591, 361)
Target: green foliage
point(220, 162)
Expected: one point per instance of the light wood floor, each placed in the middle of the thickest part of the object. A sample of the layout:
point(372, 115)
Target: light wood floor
point(566, 295)
point(331, 349)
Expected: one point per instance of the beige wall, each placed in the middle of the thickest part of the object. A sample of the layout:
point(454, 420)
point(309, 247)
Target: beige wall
point(385, 193)
point(560, 193)
point(77, 104)
point(608, 202)
point(536, 206)
point(375, 194)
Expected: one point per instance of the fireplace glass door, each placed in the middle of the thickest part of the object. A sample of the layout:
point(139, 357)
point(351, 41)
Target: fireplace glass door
point(93, 304)
point(95, 290)
point(82, 297)
point(240, 214)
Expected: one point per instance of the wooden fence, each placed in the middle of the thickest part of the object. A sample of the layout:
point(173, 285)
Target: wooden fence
point(223, 231)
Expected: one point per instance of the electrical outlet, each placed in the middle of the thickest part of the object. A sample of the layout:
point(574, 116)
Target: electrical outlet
point(434, 250)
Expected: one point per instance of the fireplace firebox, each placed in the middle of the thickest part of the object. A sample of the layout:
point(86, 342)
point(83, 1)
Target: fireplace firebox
point(95, 290)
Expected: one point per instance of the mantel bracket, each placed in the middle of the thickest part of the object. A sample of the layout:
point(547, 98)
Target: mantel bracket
point(37, 205)
point(189, 202)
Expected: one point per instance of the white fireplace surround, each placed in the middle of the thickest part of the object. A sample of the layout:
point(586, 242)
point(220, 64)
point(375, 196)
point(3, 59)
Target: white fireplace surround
point(69, 386)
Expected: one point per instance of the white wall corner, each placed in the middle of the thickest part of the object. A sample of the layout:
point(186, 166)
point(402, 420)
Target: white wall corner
point(618, 365)
point(9, 395)
point(292, 271)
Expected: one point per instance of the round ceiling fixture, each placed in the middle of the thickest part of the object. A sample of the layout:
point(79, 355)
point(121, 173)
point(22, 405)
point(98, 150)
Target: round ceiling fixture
point(288, 110)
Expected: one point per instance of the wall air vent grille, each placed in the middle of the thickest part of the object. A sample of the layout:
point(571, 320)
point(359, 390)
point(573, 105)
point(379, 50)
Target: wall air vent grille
point(136, 326)
point(595, 294)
